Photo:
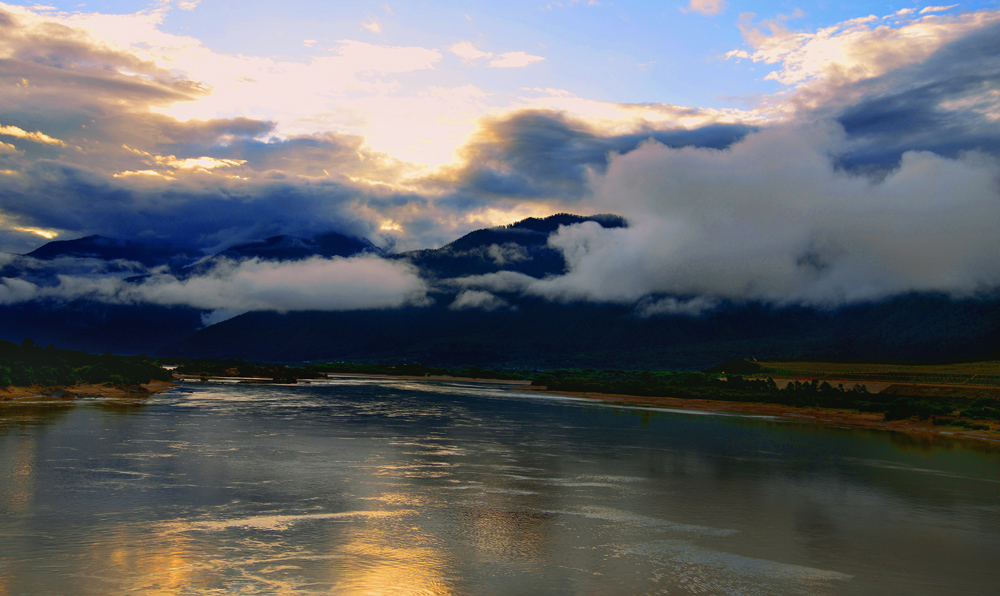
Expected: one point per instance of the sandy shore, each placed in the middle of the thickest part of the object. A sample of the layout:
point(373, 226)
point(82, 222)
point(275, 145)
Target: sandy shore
point(429, 378)
point(825, 416)
point(39, 393)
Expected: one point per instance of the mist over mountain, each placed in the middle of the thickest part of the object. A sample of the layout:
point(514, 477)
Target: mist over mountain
point(457, 318)
point(839, 166)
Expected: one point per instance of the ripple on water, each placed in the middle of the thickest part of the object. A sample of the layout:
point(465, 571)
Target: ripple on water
point(274, 522)
point(702, 570)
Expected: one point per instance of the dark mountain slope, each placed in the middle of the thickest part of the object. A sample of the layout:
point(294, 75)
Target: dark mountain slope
point(109, 249)
point(542, 334)
point(521, 247)
point(288, 248)
point(97, 327)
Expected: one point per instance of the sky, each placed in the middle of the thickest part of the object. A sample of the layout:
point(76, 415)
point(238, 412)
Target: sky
point(796, 153)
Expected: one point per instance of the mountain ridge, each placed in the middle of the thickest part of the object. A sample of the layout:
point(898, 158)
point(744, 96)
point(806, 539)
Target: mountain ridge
point(514, 330)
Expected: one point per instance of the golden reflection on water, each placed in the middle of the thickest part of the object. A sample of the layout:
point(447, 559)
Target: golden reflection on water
point(21, 483)
point(137, 562)
point(385, 558)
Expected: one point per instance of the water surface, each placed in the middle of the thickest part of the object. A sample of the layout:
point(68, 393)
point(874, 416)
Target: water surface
point(400, 487)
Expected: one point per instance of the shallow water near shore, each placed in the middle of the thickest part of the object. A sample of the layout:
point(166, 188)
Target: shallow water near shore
point(361, 486)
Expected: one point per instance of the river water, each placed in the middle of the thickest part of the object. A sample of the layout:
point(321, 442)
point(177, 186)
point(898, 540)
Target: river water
point(400, 487)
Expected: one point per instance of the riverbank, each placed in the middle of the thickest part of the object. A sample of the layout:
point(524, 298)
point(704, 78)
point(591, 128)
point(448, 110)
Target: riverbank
point(825, 416)
point(432, 378)
point(86, 390)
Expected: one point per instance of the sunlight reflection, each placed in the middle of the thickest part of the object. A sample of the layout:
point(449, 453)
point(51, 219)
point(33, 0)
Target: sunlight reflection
point(20, 486)
point(382, 559)
point(138, 564)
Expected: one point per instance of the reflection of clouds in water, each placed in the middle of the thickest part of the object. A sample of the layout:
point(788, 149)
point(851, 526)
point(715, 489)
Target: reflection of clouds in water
point(701, 570)
point(283, 500)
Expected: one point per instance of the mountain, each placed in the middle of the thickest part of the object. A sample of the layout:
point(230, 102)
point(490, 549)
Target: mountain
point(98, 326)
point(289, 248)
point(521, 247)
point(543, 334)
point(515, 331)
point(111, 249)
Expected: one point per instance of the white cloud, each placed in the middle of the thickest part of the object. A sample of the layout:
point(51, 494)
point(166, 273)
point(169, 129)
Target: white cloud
point(930, 9)
point(509, 252)
point(672, 306)
point(468, 52)
point(706, 7)
point(853, 50)
point(621, 118)
point(36, 136)
point(372, 25)
point(477, 299)
point(771, 219)
point(362, 282)
point(514, 60)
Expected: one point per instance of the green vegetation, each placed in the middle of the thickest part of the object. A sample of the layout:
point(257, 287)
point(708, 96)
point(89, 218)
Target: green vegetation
point(970, 374)
point(734, 387)
point(27, 364)
point(738, 381)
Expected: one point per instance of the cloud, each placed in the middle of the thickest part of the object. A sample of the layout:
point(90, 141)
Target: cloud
point(546, 155)
point(706, 7)
point(362, 282)
point(725, 204)
point(772, 219)
point(509, 252)
point(514, 60)
point(672, 306)
point(38, 137)
point(101, 160)
point(352, 87)
point(852, 50)
point(477, 299)
point(928, 9)
point(468, 52)
point(372, 25)
point(948, 104)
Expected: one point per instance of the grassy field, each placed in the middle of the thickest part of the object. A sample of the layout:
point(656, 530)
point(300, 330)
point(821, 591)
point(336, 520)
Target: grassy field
point(966, 374)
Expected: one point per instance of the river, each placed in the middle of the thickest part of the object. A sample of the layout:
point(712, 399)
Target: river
point(382, 486)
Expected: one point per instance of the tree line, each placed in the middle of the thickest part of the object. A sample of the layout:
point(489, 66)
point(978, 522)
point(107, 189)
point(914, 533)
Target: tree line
point(28, 365)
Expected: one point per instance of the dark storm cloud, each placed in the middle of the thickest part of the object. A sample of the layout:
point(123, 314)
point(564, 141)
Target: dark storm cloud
point(536, 154)
point(947, 104)
point(52, 195)
point(84, 153)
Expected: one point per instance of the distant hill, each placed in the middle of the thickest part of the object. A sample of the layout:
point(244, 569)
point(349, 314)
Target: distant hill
point(522, 332)
point(521, 247)
point(110, 249)
point(97, 327)
point(543, 334)
point(289, 248)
